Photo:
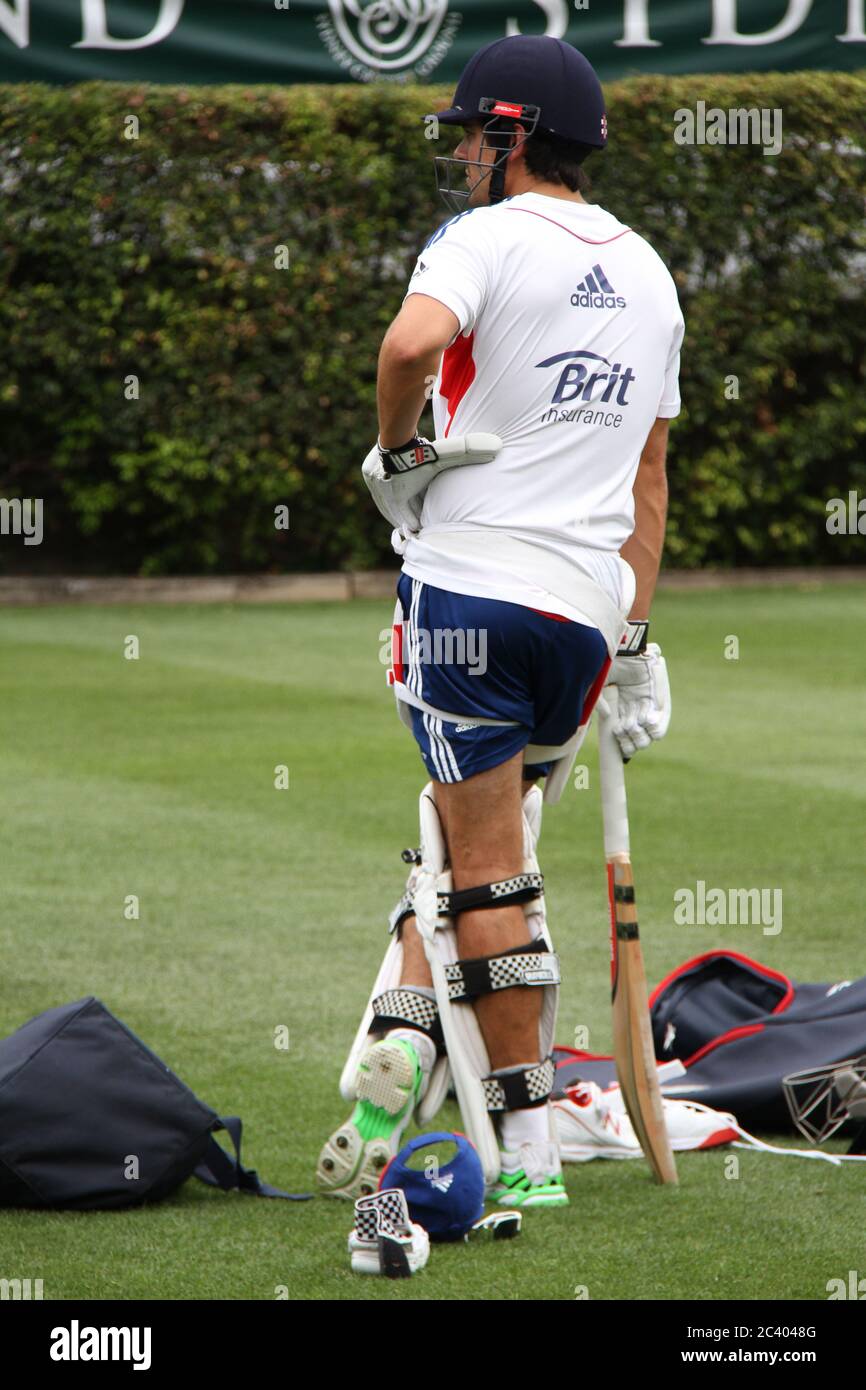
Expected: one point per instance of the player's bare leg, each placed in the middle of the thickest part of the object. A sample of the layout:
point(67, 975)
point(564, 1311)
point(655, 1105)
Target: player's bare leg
point(483, 823)
point(484, 933)
point(416, 970)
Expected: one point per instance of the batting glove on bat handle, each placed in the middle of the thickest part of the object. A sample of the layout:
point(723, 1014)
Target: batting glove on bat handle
point(644, 706)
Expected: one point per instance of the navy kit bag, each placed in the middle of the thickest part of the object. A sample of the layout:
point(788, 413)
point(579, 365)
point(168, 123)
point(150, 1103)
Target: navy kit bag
point(738, 1027)
point(91, 1118)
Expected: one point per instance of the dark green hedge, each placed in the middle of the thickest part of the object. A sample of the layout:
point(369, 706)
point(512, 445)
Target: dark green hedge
point(155, 257)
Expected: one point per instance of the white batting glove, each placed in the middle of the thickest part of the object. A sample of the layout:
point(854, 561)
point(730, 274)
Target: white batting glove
point(641, 679)
point(398, 478)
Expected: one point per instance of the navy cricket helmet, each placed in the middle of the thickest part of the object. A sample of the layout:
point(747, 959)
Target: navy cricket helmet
point(542, 82)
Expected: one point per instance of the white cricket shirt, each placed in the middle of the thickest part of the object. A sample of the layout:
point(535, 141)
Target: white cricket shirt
point(568, 349)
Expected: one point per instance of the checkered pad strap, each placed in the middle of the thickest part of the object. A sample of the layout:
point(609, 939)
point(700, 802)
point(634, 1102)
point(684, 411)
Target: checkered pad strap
point(365, 1225)
point(382, 1213)
point(520, 889)
point(522, 965)
point(520, 1090)
point(405, 1007)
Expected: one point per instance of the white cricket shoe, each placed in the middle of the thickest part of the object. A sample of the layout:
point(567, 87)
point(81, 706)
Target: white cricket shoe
point(591, 1123)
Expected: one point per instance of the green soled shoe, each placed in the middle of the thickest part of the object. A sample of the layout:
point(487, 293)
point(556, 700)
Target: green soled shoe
point(532, 1177)
point(352, 1160)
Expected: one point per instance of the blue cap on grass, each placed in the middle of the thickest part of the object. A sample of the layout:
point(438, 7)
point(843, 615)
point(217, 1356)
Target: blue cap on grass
point(445, 1198)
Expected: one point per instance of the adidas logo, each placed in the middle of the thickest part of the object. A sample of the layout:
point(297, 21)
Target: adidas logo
point(596, 292)
point(442, 1183)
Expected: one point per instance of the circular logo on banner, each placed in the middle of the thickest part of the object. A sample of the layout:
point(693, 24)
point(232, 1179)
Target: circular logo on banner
point(388, 38)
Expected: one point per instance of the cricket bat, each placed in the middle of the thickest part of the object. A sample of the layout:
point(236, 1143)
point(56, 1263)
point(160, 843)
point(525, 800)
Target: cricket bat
point(633, 1049)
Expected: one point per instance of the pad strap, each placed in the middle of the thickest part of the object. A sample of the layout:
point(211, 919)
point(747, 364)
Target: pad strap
point(520, 889)
point(402, 1007)
point(405, 908)
point(521, 965)
point(520, 1090)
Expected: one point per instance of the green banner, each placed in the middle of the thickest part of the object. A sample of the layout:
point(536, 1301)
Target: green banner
point(284, 41)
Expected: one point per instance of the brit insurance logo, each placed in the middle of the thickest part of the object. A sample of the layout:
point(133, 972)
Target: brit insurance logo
point(392, 40)
point(579, 395)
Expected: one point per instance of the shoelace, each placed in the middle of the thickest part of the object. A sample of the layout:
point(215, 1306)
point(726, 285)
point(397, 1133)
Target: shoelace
point(583, 1097)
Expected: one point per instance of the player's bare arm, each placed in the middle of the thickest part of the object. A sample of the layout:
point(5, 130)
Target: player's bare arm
point(643, 709)
point(408, 361)
point(643, 549)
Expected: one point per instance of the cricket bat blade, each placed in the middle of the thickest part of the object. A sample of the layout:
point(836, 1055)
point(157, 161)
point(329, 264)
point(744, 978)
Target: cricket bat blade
point(633, 1049)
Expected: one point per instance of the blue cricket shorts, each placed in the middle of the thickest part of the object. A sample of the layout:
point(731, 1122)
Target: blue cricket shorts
point(481, 658)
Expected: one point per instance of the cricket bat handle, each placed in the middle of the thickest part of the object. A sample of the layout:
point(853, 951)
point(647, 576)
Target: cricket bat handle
point(614, 806)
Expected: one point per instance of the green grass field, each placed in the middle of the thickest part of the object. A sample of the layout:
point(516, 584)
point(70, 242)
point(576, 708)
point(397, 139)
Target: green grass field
point(261, 908)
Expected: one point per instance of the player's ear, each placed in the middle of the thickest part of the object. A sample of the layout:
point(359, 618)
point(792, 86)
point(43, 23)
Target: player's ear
point(519, 136)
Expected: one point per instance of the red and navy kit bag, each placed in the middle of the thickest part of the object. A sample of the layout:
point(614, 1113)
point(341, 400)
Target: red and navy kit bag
point(738, 1027)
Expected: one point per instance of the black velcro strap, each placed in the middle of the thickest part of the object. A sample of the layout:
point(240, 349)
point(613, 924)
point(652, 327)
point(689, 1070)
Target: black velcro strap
point(413, 454)
point(407, 1008)
point(520, 1090)
point(520, 889)
point(531, 964)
